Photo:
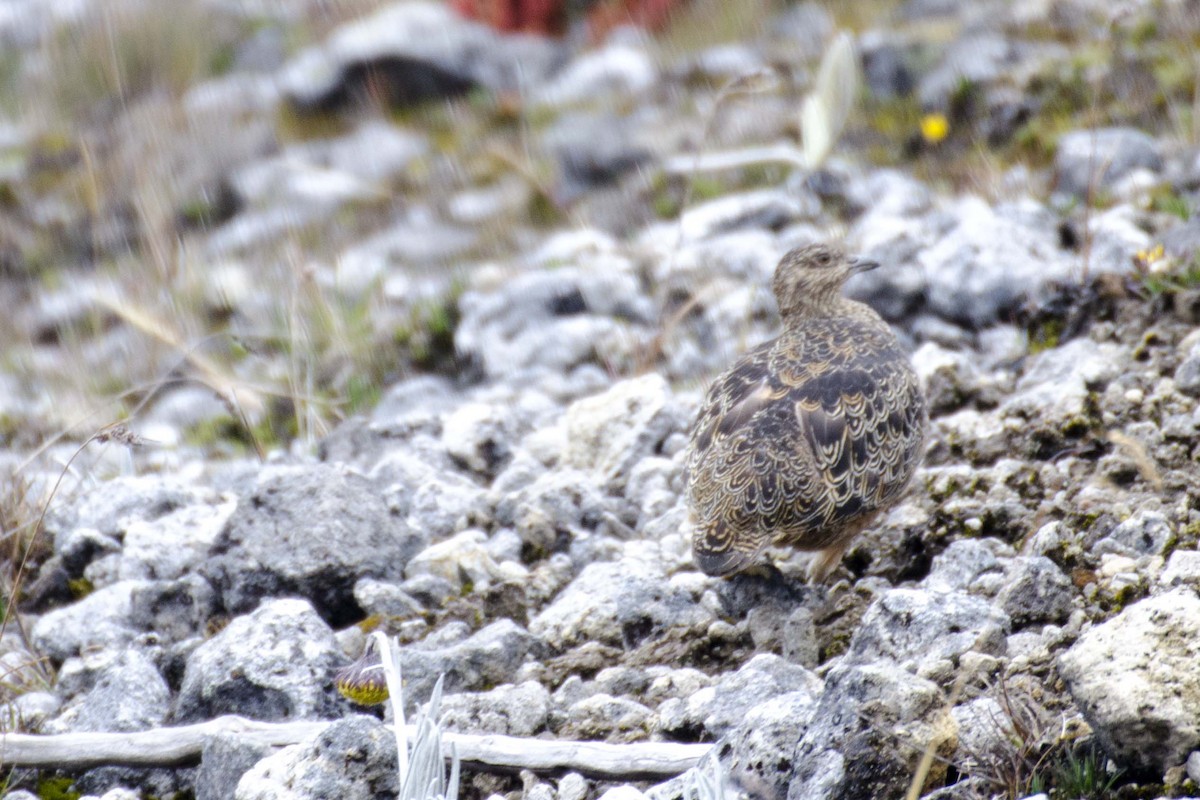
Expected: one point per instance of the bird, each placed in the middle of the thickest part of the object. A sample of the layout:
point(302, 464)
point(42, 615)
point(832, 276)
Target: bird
point(809, 437)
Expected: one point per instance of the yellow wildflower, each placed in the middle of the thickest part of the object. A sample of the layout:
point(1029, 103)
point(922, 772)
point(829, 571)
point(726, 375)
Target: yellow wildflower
point(934, 127)
point(1152, 260)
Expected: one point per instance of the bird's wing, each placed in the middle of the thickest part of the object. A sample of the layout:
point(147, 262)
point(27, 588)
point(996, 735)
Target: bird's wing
point(734, 398)
point(863, 424)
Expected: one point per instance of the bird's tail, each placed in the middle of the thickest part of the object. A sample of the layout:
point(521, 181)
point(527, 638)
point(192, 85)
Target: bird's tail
point(718, 552)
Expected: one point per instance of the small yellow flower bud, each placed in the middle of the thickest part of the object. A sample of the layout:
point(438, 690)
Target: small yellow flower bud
point(934, 127)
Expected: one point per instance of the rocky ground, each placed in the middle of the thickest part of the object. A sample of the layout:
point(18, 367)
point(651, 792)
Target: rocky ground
point(407, 322)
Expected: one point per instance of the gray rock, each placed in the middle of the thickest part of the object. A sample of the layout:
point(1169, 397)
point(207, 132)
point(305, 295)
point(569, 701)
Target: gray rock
point(921, 627)
point(486, 658)
point(78, 548)
point(724, 62)
point(100, 620)
point(482, 436)
point(1055, 541)
point(1187, 375)
point(1146, 533)
point(520, 710)
point(1135, 681)
point(400, 254)
point(1183, 568)
point(411, 52)
point(619, 68)
point(723, 707)
point(978, 59)
point(78, 674)
point(385, 599)
point(886, 66)
point(572, 786)
point(559, 504)
point(946, 375)
point(623, 680)
point(622, 793)
point(764, 743)
point(275, 663)
point(34, 708)
point(444, 503)
point(762, 209)
point(1193, 766)
point(988, 260)
point(959, 566)
point(23, 670)
point(655, 487)
point(352, 759)
point(129, 694)
point(986, 732)
point(592, 150)
point(256, 227)
point(429, 590)
point(1036, 591)
point(506, 198)
point(324, 174)
point(225, 758)
point(464, 558)
point(724, 282)
point(173, 610)
point(20, 794)
point(798, 639)
point(972, 263)
point(1052, 395)
point(849, 748)
point(404, 448)
point(1183, 240)
point(1094, 160)
point(418, 397)
point(807, 27)
point(311, 531)
point(602, 716)
point(620, 603)
point(117, 793)
point(112, 505)
point(611, 433)
point(175, 543)
point(554, 320)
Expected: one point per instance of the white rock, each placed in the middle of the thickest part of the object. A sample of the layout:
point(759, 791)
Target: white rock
point(167, 547)
point(615, 69)
point(464, 555)
point(610, 433)
point(1135, 679)
point(99, 620)
point(1182, 567)
point(622, 793)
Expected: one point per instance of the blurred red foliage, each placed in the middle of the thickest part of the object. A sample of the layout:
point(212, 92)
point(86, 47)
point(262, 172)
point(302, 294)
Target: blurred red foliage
point(549, 17)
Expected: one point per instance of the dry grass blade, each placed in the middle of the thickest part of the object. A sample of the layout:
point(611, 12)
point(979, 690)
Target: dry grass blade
point(115, 432)
point(232, 392)
point(1141, 458)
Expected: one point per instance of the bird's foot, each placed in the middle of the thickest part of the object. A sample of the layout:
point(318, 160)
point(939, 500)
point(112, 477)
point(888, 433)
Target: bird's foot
point(824, 562)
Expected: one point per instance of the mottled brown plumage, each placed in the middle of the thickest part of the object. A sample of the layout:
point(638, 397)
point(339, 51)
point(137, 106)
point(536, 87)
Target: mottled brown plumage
point(806, 438)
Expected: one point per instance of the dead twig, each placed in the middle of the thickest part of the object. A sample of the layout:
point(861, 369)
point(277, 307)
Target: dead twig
point(181, 745)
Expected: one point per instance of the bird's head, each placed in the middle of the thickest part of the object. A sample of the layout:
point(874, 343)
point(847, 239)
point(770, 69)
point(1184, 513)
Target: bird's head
point(809, 279)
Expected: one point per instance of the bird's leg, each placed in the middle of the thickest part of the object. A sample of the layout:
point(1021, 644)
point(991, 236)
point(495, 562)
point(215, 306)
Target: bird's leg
point(824, 562)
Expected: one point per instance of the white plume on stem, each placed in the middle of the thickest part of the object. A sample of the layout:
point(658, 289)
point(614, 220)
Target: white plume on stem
point(827, 107)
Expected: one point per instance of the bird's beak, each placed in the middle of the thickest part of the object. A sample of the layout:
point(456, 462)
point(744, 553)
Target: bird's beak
point(861, 264)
